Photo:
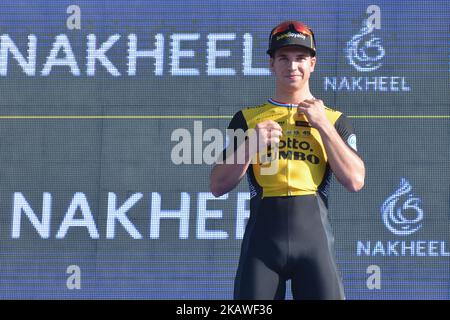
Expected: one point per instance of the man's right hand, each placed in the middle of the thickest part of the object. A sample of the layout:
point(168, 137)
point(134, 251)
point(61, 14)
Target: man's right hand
point(224, 177)
point(268, 133)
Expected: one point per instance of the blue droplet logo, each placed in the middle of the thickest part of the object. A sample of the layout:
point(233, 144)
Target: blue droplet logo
point(401, 212)
point(364, 51)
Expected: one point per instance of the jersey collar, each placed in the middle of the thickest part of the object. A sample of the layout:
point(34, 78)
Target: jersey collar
point(280, 104)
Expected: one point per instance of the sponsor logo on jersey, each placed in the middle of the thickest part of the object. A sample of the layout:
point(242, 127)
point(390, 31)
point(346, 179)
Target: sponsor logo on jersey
point(306, 133)
point(292, 149)
point(302, 124)
point(351, 141)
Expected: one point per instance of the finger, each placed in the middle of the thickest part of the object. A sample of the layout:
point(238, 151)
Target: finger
point(277, 132)
point(272, 124)
point(275, 136)
point(277, 127)
point(274, 131)
point(273, 141)
point(305, 104)
point(314, 101)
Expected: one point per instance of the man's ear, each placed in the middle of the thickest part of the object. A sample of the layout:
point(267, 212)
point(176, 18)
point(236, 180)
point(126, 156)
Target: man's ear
point(271, 62)
point(313, 61)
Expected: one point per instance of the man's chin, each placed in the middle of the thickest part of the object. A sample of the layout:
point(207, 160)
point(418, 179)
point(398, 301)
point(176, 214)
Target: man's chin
point(295, 84)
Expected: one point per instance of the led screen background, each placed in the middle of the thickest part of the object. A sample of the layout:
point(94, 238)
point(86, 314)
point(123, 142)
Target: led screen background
point(86, 175)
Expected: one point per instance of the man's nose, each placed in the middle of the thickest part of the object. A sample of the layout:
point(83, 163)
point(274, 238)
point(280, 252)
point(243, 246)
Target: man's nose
point(292, 65)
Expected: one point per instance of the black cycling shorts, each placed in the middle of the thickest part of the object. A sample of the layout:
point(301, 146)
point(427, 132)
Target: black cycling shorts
point(288, 238)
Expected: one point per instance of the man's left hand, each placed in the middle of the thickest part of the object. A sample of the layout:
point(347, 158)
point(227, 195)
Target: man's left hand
point(314, 110)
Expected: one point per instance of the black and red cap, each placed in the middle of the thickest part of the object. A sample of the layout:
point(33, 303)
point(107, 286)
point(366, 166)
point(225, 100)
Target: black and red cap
point(291, 33)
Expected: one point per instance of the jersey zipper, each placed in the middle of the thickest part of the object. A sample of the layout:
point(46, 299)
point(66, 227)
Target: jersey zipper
point(287, 160)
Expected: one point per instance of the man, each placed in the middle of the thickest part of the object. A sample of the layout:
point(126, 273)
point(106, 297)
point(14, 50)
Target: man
point(288, 235)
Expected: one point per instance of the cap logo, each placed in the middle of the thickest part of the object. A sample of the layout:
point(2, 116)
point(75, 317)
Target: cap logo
point(291, 35)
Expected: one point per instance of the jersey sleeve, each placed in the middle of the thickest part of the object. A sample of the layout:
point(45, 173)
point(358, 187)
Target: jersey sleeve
point(236, 123)
point(345, 129)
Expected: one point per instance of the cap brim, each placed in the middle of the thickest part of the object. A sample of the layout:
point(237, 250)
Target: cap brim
point(272, 50)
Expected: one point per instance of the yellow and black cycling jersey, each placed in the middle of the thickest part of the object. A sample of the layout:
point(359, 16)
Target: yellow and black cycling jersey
point(302, 167)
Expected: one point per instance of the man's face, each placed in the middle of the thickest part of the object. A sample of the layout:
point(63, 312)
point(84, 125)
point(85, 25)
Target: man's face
point(292, 67)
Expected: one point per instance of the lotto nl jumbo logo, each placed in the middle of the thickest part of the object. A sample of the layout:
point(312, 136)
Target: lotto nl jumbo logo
point(401, 212)
point(364, 51)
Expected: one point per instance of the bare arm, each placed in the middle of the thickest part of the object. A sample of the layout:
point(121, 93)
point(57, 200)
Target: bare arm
point(226, 176)
point(346, 165)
